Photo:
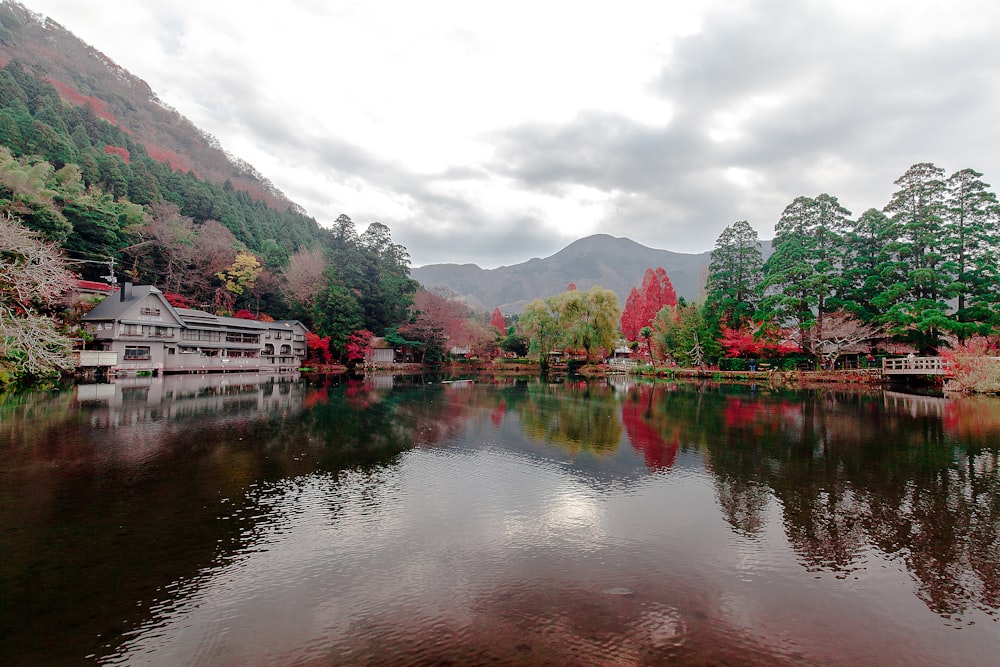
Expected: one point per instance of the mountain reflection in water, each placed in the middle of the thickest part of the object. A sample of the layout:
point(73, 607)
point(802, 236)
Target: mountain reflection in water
point(254, 519)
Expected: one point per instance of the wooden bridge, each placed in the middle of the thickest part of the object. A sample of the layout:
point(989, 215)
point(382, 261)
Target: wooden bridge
point(622, 365)
point(915, 366)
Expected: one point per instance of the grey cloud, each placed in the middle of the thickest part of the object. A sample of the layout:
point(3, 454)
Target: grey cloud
point(491, 243)
point(857, 99)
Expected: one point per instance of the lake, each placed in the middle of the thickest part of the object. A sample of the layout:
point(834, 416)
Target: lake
point(259, 520)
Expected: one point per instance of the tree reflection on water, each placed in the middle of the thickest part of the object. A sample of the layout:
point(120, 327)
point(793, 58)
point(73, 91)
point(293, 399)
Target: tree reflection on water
point(107, 482)
point(913, 477)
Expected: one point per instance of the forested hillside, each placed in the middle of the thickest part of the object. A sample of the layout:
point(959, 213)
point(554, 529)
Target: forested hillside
point(36, 121)
point(85, 76)
point(85, 185)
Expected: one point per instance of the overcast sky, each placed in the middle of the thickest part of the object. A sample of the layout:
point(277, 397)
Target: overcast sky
point(495, 132)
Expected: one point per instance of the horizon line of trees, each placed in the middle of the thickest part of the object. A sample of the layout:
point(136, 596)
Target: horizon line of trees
point(920, 270)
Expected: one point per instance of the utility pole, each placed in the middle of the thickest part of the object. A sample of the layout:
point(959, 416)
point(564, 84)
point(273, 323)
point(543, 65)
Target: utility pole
point(112, 280)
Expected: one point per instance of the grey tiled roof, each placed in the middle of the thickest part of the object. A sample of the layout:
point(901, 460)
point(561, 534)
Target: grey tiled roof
point(114, 308)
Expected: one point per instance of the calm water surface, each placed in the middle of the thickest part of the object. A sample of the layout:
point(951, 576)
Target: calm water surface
point(256, 521)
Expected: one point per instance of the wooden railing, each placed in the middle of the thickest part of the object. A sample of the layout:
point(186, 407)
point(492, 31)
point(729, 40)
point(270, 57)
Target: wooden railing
point(622, 364)
point(915, 366)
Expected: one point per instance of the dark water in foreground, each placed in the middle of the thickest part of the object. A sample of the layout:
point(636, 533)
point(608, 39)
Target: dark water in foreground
point(243, 521)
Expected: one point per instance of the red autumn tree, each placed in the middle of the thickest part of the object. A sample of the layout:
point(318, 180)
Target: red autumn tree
point(645, 302)
point(319, 348)
point(739, 342)
point(177, 300)
point(497, 321)
point(449, 315)
point(755, 340)
point(631, 322)
point(357, 345)
point(668, 295)
point(657, 291)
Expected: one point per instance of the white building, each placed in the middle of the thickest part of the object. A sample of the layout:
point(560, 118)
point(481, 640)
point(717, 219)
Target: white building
point(147, 334)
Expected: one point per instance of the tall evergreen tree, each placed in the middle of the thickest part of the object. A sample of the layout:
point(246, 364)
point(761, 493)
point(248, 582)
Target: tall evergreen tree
point(734, 273)
point(914, 301)
point(865, 261)
point(804, 275)
point(972, 236)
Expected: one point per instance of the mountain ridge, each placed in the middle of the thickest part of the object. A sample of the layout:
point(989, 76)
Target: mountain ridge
point(616, 263)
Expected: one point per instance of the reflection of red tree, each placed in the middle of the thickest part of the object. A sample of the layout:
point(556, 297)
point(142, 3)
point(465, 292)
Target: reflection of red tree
point(741, 413)
point(498, 412)
point(763, 417)
point(319, 395)
point(645, 437)
point(972, 418)
point(359, 394)
point(314, 398)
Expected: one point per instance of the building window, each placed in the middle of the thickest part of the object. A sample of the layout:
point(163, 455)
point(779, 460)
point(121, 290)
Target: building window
point(154, 312)
point(197, 334)
point(136, 353)
point(236, 337)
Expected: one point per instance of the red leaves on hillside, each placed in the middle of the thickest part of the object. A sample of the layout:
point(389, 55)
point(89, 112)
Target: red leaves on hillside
point(158, 153)
point(118, 150)
point(176, 162)
point(73, 97)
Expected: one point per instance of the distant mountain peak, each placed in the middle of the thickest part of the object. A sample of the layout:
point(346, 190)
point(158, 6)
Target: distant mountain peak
point(613, 262)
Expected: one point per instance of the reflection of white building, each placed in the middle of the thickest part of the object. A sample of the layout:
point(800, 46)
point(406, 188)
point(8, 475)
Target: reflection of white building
point(146, 333)
point(180, 395)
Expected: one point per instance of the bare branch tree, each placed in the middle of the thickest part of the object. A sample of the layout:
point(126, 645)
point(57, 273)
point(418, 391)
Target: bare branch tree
point(303, 277)
point(32, 277)
point(839, 332)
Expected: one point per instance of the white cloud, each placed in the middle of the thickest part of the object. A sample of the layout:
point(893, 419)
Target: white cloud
point(662, 121)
